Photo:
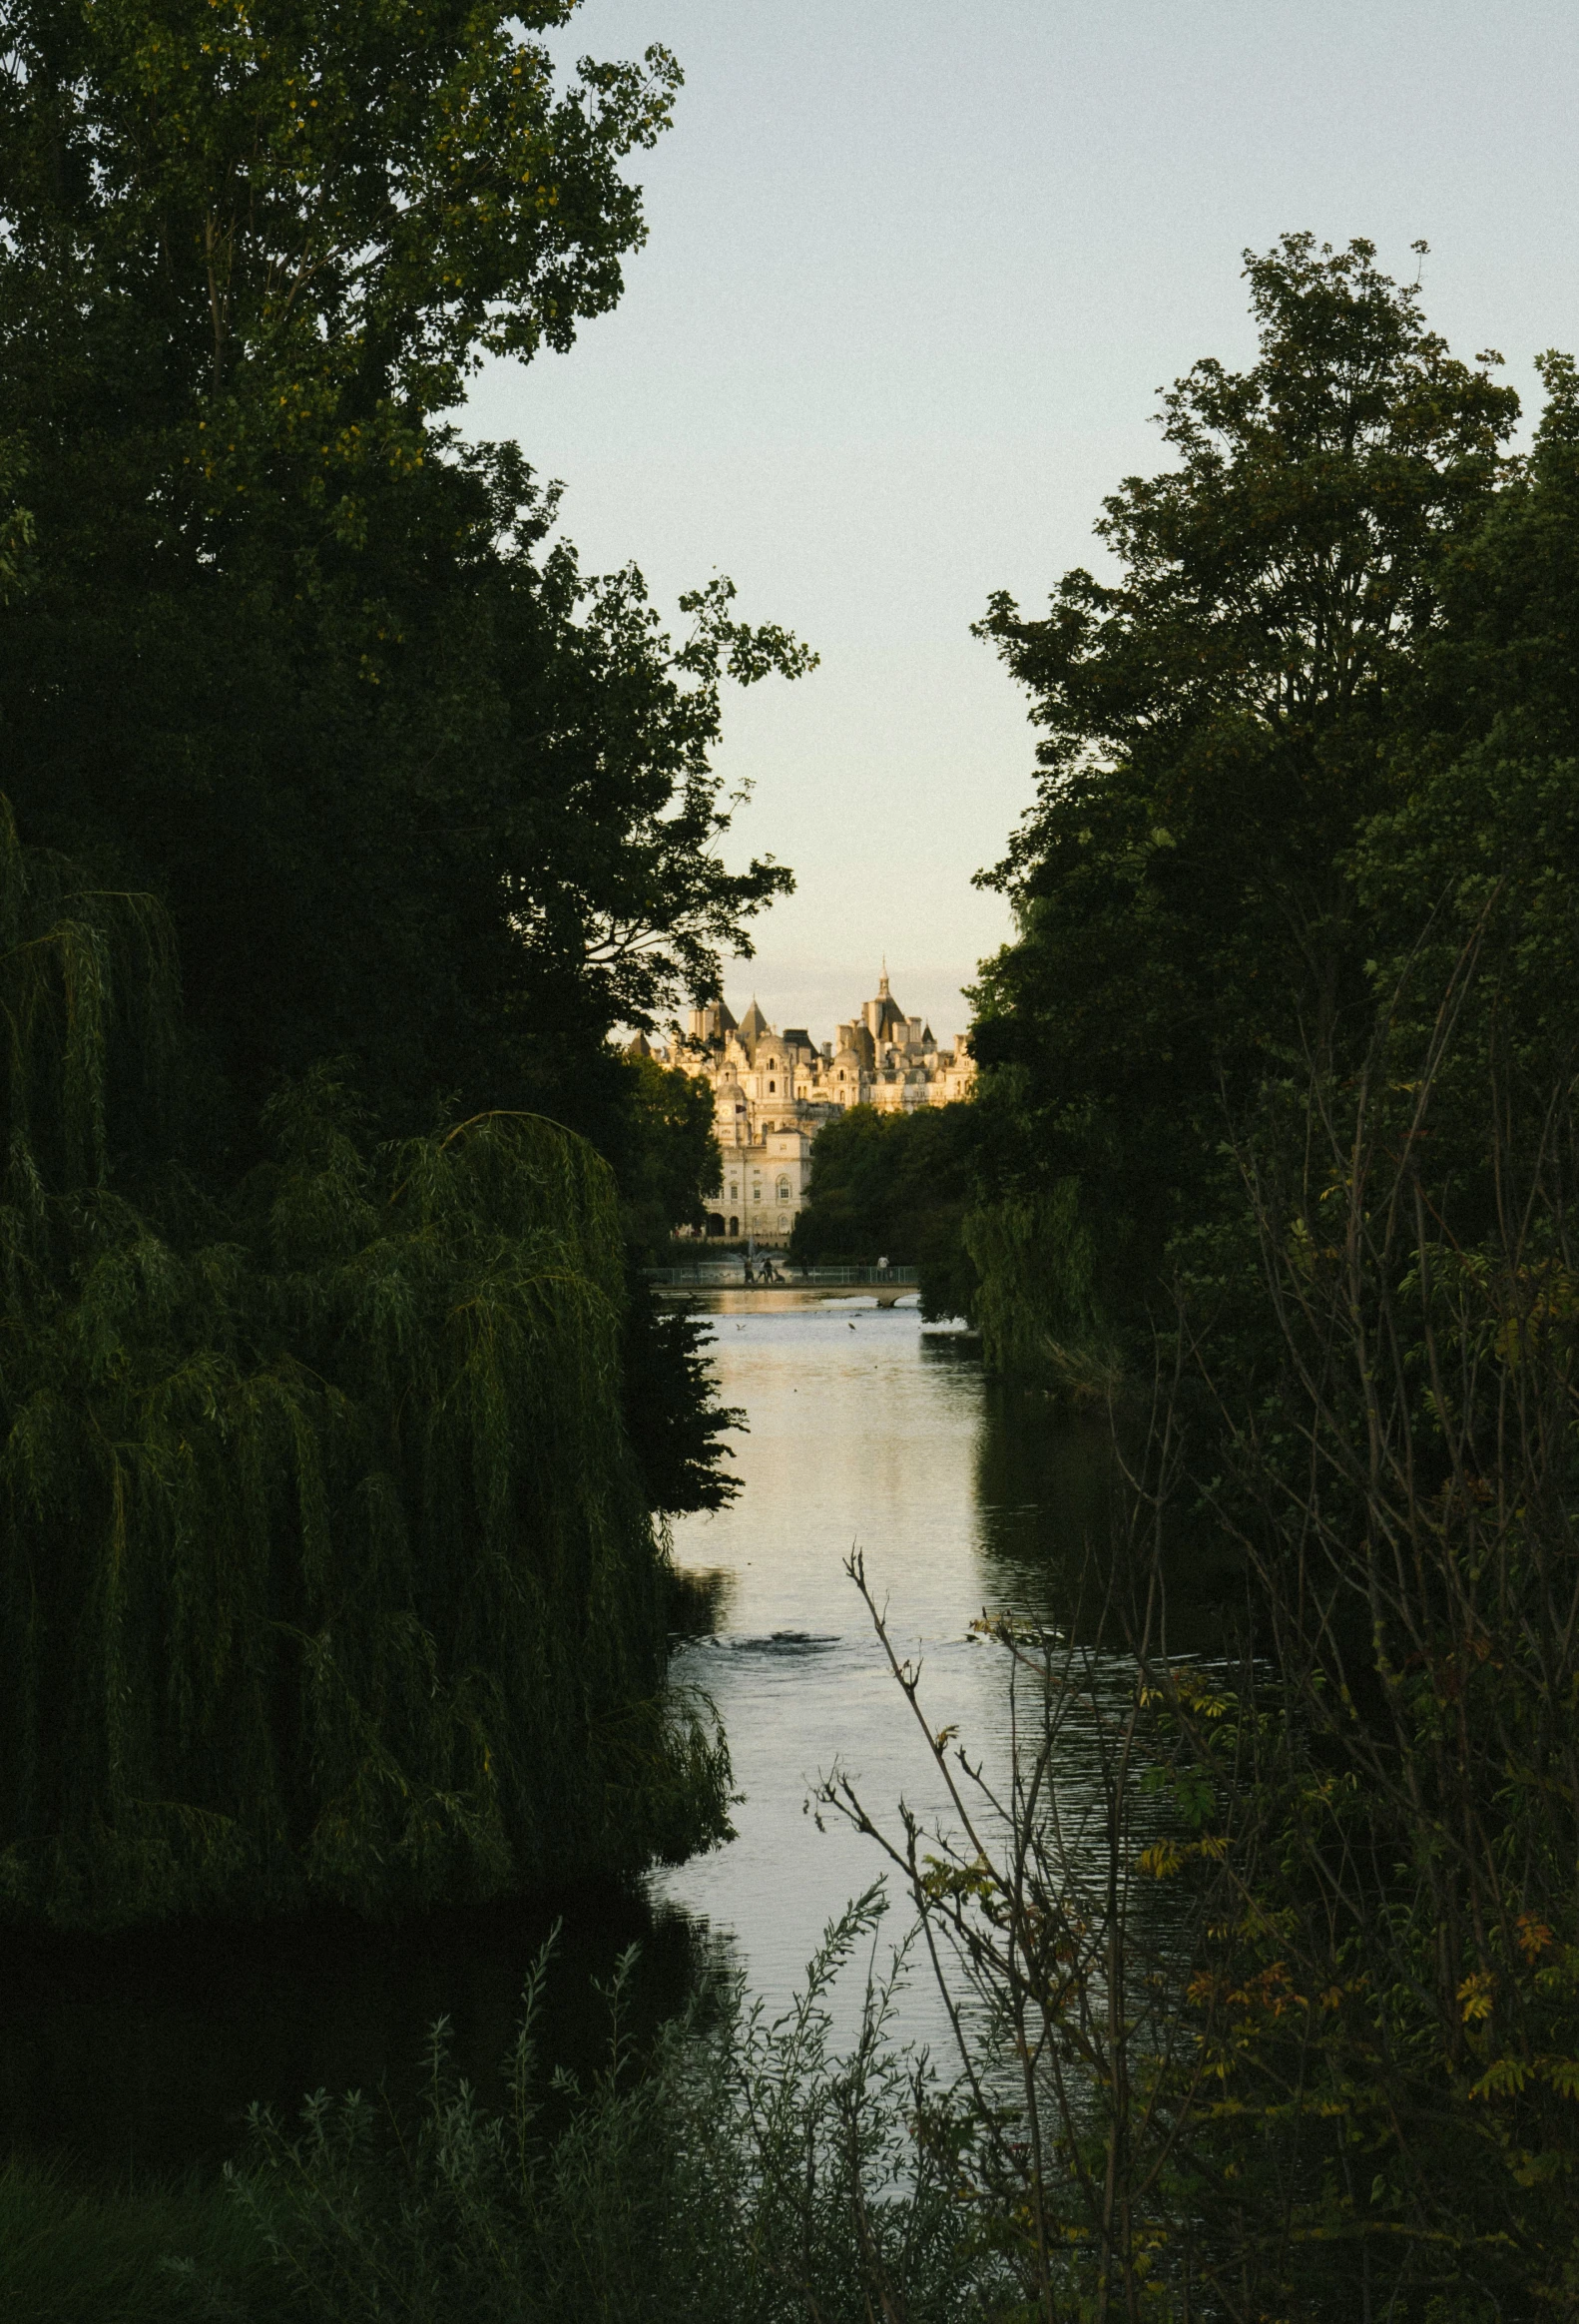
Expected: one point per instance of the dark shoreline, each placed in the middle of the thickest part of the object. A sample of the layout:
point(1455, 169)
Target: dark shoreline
point(141, 2052)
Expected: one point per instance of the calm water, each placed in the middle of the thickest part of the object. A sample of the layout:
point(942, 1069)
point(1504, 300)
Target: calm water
point(865, 1430)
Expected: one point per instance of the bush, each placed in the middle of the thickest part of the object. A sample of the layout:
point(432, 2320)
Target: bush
point(741, 2172)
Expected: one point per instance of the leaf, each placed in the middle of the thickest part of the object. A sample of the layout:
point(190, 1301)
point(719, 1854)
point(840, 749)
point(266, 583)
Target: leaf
point(1478, 1995)
point(1505, 2077)
point(1162, 1860)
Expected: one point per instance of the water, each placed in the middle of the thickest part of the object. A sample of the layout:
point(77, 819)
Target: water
point(866, 1431)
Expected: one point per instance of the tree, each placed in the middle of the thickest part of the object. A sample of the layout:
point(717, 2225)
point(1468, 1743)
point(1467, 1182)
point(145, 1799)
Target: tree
point(327, 1570)
point(292, 654)
point(1482, 850)
point(419, 794)
point(1217, 722)
point(890, 1185)
point(328, 1336)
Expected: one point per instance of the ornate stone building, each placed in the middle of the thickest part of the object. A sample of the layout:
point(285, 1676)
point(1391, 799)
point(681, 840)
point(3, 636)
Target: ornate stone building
point(773, 1092)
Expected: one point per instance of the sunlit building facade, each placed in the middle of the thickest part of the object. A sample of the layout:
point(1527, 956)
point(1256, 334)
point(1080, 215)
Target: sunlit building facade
point(773, 1091)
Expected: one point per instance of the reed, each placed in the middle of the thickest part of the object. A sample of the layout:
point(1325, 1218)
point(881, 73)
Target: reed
point(742, 2172)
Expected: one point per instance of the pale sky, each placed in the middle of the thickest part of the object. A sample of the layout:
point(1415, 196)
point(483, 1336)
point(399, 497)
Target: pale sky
point(914, 275)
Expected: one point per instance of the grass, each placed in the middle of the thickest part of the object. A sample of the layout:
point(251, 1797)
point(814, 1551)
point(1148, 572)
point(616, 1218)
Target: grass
point(74, 2253)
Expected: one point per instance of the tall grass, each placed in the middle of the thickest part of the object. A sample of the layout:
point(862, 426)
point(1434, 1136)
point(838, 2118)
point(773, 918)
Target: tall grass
point(740, 2173)
point(77, 2254)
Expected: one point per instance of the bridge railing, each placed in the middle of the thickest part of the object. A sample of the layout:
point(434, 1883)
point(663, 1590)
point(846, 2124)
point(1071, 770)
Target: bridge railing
point(729, 1275)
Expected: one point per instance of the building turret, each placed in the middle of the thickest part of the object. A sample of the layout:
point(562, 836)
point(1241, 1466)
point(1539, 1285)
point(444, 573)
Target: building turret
point(773, 1092)
point(884, 1018)
point(844, 1074)
point(752, 1027)
point(713, 1022)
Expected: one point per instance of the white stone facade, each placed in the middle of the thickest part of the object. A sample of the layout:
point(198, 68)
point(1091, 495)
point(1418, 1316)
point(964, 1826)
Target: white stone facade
point(774, 1091)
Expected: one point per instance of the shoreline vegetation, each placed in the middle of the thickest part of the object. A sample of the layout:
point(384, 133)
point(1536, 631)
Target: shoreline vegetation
point(347, 818)
point(327, 1573)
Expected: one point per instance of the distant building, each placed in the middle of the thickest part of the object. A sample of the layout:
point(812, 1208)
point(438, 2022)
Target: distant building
point(773, 1092)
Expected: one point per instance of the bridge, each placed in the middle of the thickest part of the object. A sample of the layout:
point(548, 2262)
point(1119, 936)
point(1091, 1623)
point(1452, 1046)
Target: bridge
point(888, 1283)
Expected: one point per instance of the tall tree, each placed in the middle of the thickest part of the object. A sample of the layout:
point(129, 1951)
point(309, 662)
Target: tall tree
point(415, 788)
point(321, 1425)
point(1216, 721)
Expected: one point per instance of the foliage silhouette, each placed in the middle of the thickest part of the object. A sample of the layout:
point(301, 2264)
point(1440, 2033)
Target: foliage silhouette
point(327, 1569)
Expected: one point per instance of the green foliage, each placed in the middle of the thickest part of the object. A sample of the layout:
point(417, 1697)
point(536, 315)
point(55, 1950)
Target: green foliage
point(1477, 862)
point(318, 214)
point(1287, 1980)
point(1386, 1980)
point(1278, 1108)
point(677, 1163)
point(673, 1424)
point(1216, 725)
point(448, 812)
point(743, 2173)
point(327, 1570)
point(414, 793)
point(1034, 1261)
point(283, 648)
point(894, 1185)
point(76, 2255)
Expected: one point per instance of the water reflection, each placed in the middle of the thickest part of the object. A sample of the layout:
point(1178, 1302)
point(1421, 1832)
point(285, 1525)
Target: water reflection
point(1044, 1493)
point(866, 1431)
point(143, 2053)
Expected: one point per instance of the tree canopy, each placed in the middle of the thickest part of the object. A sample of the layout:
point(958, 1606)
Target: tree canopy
point(291, 654)
point(1219, 724)
point(889, 1185)
point(356, 817)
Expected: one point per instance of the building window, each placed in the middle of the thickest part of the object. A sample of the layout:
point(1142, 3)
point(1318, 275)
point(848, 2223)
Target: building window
point(782, 1223)
point(771, 1086)
point(783, 1192)
point(735, 1226)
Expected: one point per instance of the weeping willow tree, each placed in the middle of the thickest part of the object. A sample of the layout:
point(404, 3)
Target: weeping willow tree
point(325, 1570)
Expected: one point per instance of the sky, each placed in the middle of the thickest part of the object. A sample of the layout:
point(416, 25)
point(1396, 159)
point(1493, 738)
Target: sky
point(915, 275)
